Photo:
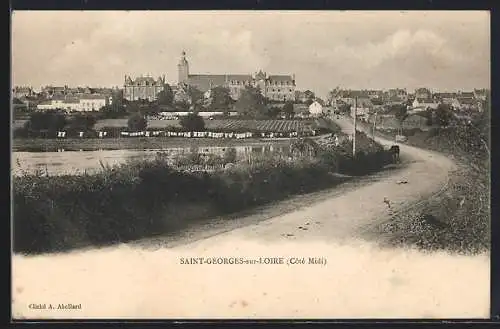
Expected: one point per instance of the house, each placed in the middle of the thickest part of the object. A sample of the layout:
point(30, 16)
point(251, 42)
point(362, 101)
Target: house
point(142, 88)
point(375, 94)
point(424, 103)
point(384, 121)
point(423, 93)
point(22, 92)
point(466, 104)
point(362, 106)
point(446, 98)
point(84, 103)
point(397, 95)
point(316, 109)
point(51, 91)
point(466, 94)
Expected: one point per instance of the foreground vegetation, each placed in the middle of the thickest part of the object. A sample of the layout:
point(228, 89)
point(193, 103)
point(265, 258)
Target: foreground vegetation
point(141, 199)
point(458, 219)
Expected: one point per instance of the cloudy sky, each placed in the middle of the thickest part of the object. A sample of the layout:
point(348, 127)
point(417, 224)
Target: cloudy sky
point(324, 49)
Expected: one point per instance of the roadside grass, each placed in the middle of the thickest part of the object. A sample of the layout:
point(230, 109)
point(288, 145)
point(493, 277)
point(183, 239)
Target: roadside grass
point(457, 220)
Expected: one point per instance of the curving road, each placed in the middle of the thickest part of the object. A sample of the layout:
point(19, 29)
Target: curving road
point(356, 279)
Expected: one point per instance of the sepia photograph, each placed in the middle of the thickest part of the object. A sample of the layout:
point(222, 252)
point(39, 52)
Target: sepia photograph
point(250, 164)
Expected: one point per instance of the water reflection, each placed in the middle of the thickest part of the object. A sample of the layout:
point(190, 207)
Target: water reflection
point(74, 162)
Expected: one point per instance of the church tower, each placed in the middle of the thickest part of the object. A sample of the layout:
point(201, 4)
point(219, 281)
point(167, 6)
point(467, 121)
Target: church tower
point(183, 69)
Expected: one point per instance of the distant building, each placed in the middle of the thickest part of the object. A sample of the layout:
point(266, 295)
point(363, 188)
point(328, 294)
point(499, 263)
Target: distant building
point(424, 103)
point(397, 95)
point(467, 104)
point(273, 87)
point(446, 98)
point(85, 103)
point(22, 92)
point(480, 94)
point(142, 88)
point(423, 93)
point(362, 105)
point(49, 92)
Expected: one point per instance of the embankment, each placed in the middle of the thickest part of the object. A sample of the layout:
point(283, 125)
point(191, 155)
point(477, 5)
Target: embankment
point(457, 218)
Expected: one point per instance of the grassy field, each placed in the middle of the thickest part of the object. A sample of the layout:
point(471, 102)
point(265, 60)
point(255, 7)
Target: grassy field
point(226, 124)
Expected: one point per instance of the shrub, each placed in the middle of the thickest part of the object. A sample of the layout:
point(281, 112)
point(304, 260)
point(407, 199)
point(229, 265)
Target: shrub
point(230, 155)
point(192, 122)
point(137, 122)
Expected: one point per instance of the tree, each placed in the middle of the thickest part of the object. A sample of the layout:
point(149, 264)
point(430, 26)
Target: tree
point(166, 95)
point(150, 109)
point(273, 112)
point(344, 108)
point(332, 95)
point(230, 155)
point(251, 102)
point(133, 107)
point(444, 114)
point(288, 110)
point(400, 112)
point(304, 147)
point(195, 95)
point(46, 121)
point(428, 115)
point(137, 122)
point(181, 96)
point(220, 99)
point(192, 122)
point(310, 96)
point(82, 122)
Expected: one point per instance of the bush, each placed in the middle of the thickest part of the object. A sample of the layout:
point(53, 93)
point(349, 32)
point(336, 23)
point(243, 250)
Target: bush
point(82, 122)
point(192, 122)
point(137, 122)
point(230, 155)
point(49, 121)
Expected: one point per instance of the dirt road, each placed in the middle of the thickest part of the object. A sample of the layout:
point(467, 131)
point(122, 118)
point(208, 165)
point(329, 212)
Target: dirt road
point(328, 271)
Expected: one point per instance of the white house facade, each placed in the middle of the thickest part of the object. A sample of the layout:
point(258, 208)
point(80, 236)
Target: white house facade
point(85, 103)
point(316, 109)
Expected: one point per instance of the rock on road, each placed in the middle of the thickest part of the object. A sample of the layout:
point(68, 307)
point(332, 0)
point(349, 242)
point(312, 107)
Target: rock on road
point(359, 279)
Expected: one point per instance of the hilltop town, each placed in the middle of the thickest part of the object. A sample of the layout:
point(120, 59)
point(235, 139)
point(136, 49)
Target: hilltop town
point(231, 94)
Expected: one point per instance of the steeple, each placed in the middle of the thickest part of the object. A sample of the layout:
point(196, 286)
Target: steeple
point(183, 68)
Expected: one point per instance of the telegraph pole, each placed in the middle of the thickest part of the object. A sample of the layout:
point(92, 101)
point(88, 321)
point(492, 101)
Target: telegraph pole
point(374, 126)
point(354, 134)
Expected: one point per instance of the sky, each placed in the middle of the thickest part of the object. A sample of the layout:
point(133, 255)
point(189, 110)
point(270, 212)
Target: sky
point(441, 50)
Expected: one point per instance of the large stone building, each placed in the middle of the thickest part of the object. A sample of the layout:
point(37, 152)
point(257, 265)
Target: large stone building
point(142, 88)
point(273, 87)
